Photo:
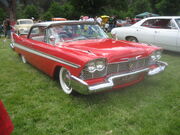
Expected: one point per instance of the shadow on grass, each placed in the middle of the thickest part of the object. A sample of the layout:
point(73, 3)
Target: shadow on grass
point(172, 53)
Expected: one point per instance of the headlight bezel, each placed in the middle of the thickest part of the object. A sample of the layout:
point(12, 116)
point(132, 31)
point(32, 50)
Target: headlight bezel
point(156, 55)
point(96, 65)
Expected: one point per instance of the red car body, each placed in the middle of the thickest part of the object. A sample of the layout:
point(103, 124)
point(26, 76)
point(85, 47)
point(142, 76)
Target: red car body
point(74, 57)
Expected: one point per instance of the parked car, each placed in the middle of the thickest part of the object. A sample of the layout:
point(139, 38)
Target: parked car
point(160, 31)
point(135, 20)
point(58, 19)
point(121, 23)
point(22, 26)
point(84, 59)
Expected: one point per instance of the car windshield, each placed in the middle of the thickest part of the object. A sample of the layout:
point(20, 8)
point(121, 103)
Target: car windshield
point(178, 22)
point(25, 22)
point(75, 32)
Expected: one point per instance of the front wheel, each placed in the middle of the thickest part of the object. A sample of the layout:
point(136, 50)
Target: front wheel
point(132, 39)
point(65, 81)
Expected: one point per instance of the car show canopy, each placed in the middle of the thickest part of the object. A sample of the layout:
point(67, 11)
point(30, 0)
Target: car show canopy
point(146, 14)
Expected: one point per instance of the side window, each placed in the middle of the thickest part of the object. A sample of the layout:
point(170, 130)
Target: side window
point(37, 33)
point(172, 25)
point(54, 35)
point(50, 36)
point(163, 23)
point(158, 23)
point(149, 23)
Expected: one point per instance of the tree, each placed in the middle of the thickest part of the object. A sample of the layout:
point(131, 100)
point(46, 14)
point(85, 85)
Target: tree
point(2, 15)
point(56, 10)
point(31, 11)
point(168, 7)
point(88, 7)
point(47, 16)
point(10, 8)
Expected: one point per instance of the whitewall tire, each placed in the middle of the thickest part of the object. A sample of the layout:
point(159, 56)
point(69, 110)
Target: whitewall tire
point(65, 81)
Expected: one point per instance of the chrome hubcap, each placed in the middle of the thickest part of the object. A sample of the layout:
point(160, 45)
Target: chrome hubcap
point(66, 79)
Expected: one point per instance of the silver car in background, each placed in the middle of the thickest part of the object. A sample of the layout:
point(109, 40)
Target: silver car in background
point(163, 31)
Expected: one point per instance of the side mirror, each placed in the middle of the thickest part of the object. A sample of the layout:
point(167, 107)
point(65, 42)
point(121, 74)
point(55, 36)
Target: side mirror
point(52, 39)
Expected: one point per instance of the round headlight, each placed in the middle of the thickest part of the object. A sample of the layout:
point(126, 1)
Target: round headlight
point(158, 55)
point(100, 65)
point(153, 57)
point(91, 67)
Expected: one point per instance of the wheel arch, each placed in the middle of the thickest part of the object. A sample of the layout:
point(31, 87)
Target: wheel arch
point(56, 72)
point(130, 36)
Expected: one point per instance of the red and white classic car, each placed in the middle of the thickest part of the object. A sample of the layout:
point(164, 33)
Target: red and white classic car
point(84, 59)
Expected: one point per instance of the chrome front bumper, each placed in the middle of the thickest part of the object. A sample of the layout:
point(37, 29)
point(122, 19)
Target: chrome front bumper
point(83, 88)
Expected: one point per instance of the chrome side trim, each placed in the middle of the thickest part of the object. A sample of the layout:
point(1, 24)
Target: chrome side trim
point(46, 56)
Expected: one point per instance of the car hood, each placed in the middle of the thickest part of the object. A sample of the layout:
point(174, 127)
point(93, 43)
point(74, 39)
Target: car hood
point(113, 50)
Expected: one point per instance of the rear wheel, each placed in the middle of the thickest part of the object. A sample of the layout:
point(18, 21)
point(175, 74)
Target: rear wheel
point(23, 59)
point(132, 39)
point(65, 81)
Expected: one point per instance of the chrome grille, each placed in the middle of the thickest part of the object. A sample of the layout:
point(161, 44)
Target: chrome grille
point(127, 66)
point(113, 68)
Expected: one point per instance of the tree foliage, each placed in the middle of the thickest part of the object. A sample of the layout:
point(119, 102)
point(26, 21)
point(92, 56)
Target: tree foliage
point(31, 11)
point(10, 7)
point(72, 9)
point(2, 15)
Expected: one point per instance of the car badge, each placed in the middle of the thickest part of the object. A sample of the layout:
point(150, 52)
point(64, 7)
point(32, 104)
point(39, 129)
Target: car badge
point(131, 66)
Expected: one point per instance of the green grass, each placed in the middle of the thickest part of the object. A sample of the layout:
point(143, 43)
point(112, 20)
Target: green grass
point(38, 106)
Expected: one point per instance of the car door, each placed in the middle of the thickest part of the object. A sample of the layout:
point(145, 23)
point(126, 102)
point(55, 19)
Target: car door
point(166, 34)
point(145, 32)
point(40, 51)
point(177, 22)
point(178, 41)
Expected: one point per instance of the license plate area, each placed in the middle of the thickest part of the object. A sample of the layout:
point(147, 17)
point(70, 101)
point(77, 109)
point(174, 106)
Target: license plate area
point(126, 79)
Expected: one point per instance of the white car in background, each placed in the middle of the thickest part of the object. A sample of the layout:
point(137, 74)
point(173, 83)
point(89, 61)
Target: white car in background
point(163, 31)
point(23, 26)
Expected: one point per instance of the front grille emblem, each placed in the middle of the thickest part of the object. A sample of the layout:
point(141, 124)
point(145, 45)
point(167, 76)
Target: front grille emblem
point(131, 66)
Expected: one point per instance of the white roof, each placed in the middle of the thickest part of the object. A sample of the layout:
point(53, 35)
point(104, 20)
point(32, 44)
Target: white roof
point(157, 17)
point(51, 23)
point(24, 20)
point(164, 17)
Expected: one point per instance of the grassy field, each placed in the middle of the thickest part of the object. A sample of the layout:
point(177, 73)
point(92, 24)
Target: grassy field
point(38, 106)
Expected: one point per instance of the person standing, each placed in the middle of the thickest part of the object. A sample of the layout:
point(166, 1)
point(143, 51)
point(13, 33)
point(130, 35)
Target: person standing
point(99, 20)
point(7, 28)
point(1, 30)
